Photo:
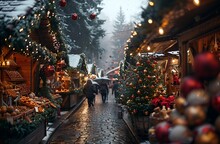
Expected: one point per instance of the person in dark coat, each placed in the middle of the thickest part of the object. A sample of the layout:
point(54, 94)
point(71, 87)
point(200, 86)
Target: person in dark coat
point(90, 91)
point(115, 89)
point(104, 91)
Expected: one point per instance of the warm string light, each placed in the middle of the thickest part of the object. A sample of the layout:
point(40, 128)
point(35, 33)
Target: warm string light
point(150, 21)
point(196, 2)
point(151, 3)
point(161, 31)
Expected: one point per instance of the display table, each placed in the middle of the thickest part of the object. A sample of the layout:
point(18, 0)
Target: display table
point(69, 99)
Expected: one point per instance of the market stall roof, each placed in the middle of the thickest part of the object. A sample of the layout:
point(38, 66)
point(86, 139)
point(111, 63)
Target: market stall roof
point(14, 9)
point(19, 28)
point(74, 60)
point(113, 70)
point(175, 19)
point(188, 17)
point(92, 68)
point(100, 72)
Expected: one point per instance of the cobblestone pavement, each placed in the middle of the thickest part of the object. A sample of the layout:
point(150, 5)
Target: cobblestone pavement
point(95, 125)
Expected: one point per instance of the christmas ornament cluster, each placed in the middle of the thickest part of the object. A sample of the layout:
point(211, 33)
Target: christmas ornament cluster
point(196, 118)
point(74, 16)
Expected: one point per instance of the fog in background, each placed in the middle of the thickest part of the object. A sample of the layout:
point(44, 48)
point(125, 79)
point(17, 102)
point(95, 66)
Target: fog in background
point(132, 10)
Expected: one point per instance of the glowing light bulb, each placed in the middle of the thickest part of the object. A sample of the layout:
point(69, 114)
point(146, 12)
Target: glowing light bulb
point(196, 2)
point(150, 21)
point(151, 3)
point(161, 31)
point(148, 47)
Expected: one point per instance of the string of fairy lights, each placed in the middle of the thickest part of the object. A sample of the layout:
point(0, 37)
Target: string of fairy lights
point(19, 39)
point(131, 49)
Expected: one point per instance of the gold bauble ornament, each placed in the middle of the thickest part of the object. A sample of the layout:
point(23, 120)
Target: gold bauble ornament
point(180, 104)
point(140, 81)
point(145, 71)
point(180, 121)
point(138, 92)
point(195, 115)
point(207, 138)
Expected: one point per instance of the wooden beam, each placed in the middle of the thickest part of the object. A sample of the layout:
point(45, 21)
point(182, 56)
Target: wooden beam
point(163, 38)
point(201, 30)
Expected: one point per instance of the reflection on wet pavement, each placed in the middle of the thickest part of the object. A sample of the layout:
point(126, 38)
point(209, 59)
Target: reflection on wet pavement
point(95, 125)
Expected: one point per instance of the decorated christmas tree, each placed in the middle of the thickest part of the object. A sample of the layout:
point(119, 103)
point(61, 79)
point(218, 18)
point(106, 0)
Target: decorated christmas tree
point(140, 84)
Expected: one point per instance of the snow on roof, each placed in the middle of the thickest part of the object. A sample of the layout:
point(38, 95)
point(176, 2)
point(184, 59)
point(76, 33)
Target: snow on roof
point(74, 60)
point(12, 9)
point(117, 68)
point(89, 66)
point(100, 71)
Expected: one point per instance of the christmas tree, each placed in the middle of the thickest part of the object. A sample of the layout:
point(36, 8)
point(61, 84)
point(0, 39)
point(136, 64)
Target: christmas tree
point(140, 84)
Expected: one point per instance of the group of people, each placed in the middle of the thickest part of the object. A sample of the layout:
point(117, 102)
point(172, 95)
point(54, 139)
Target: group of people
point(92, 89)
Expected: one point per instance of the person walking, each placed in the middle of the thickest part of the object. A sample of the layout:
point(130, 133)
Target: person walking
point(104, 92)
point(90, 91)
point(115, 89)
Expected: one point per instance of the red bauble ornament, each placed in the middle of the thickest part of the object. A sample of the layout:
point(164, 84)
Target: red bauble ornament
point(138, 63)
point(205, 128)
point(62, 3)
point(132, 97)
point(206, 66)
point(74, 16)
point(162, 132)
point(51, 68)
point(92, 16)
point(49, 71)
point(216, 102)
point(206, 134)
point(189, 84)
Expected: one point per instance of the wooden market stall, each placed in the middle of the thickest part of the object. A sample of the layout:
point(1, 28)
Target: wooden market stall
point(73, 80)
point(193, 28)
point(27, 41)
point(92, 71)
point(184, 26)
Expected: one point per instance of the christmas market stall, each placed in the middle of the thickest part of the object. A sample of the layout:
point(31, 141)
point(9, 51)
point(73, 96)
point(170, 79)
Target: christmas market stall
point(92, 71)
point(72, 80)
point(190, 27)
point(28, 45)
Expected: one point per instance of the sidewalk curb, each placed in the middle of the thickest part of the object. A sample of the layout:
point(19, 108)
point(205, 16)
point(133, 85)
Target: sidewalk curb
point(132, 132)
point(61, 120)
point(129, 126)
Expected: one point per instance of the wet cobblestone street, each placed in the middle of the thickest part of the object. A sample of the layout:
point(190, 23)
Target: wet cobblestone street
point(95, 125)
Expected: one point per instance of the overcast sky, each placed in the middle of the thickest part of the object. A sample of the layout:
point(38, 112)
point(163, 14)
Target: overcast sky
point(131, 8)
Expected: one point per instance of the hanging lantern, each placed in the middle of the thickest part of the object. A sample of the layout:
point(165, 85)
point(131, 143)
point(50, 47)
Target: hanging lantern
point(74, 16)
point(92, 16)
point(62, 3)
